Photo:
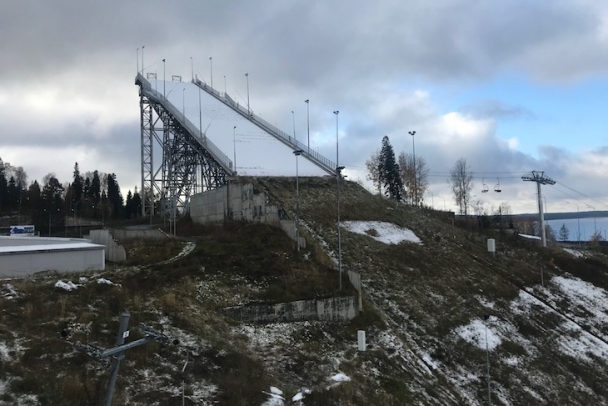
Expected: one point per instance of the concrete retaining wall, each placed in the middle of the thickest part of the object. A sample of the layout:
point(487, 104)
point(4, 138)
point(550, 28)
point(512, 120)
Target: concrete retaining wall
point(114, 251)
point(236, 201)
point(126, 234)
point(331, 309)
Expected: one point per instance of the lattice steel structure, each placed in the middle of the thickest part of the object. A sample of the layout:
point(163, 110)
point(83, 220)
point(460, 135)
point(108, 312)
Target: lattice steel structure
point(190, 162)
point(540, 179)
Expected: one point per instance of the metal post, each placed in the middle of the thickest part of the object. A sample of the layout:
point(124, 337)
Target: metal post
point(297, 154)
point(293, 119)
point(142, 59)
point(488, 362)
point(211, 69)
point(413, 133)
point(120, 340)
point(542, 215)
point(307, 101)
point(138, 60)
point(338, 169)
point(225, 91)
point(234, 146)
point(164, 65)
point(247, 79)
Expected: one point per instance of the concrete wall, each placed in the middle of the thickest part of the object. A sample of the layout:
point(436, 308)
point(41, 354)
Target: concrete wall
point(114, 251)
point(331, 309)
point(126, 234)
point(289, 227)
point(235, 201)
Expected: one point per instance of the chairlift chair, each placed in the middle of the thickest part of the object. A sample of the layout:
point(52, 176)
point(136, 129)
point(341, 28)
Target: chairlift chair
point(497, 188)
point(484, 187)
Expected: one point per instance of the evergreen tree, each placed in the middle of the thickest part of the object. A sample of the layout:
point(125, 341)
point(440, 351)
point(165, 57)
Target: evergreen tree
point(12, 193)
point(95, 189)
point(77, 190)
point(129, 205)
point(564, 233)
point(389, 171)
point(136, 204)
point(114, 196)
point(4, 206)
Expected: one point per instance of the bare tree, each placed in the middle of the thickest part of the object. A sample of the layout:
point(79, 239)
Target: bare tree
point(412, 185)
point(373, 170)
point(461, 179)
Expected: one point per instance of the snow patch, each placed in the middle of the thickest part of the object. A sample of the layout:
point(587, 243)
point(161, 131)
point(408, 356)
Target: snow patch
point(275, 397)
point(586, 295)
point(574, 253)
point(9, 292)
point(387, 233)
point(475, 333)
point(69, 286)
point(186, 250)
point(340, 377)
point(579, 344)
point(104, 281)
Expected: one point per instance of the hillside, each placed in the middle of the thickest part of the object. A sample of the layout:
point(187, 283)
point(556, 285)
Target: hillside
point(426, 309)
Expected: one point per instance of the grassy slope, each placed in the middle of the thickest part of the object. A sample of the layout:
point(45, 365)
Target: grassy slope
point(416, 296)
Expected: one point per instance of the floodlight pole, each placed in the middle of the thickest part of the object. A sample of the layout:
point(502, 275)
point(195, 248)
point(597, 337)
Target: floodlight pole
point(297, 153)
point(307, 101)
point(338, 169)
point(540, 179)
point(413, 133)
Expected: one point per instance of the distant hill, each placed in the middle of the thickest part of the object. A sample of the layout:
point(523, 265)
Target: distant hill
point(566, 215)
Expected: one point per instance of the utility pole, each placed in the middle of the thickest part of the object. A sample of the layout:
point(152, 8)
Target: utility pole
point(540, 179)
point(118, 352)
point(413, 133)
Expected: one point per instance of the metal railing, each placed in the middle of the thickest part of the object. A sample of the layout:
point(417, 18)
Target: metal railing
point(192, 129)
point(324, 163)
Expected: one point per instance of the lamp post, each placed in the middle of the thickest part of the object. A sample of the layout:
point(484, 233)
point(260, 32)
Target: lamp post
point(192, 67)
point(142, 59)
point(164, 64)
point(413, 133)
point(297, 153)
point(293, 119)
point(211, 69)
point(234, 146)
point(247, 79)
point(338, 169)
point(307, 101)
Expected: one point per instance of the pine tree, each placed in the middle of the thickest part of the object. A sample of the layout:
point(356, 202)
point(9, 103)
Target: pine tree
point(389, 171)
point(564, 233)
point(4, 206)
point(114, 196)
point(129, 205)
point(77, 190)
point(136, 204)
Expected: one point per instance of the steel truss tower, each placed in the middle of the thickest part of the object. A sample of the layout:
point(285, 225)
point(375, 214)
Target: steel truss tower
point(540, 179)
point(190, 163)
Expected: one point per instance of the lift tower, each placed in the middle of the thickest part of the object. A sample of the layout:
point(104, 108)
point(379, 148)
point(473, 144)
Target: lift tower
point(540, 179)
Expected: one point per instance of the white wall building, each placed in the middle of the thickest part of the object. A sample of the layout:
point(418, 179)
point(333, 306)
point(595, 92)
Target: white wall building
point(25, 256)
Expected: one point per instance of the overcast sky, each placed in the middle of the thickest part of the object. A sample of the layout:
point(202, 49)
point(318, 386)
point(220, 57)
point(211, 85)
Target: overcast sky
point(512, 86)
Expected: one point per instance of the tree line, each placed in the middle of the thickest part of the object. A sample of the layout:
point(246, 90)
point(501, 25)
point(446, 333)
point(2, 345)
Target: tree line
point(95, 195)
point(406, 178)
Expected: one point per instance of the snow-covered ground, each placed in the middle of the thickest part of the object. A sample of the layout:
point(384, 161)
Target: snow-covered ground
point(475, 332)
point(387, 233)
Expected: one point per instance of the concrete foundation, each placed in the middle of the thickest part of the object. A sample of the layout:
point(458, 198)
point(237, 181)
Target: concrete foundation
point(236, 201)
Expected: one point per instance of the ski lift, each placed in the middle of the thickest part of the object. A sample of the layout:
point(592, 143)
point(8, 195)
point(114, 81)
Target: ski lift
point(484, 187)
point(497, 188)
